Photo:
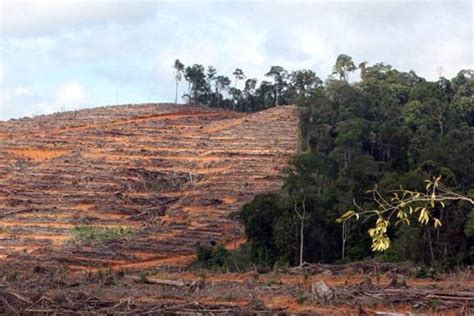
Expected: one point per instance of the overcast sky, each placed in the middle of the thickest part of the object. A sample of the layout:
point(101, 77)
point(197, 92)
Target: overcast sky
point(68, 55)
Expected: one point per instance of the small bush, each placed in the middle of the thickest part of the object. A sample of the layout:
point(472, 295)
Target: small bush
point(213, 258)
point(12, 276)
point(227, 297)
point(239, 260)
point(143, 277)
point(257, 304)
point(85, 234)
point(300, 297)
point(203, 254)
point(219, 258)
point(272, 282)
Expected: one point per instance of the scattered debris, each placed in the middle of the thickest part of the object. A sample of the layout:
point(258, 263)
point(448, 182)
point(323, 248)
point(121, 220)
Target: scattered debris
point(322, 293)
point(142, 167)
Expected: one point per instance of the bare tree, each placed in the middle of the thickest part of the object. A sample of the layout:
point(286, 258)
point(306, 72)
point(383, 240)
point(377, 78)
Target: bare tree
point(302, 217)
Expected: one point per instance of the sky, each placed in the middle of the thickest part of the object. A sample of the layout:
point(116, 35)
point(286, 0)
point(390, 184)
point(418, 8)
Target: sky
point(67, 55)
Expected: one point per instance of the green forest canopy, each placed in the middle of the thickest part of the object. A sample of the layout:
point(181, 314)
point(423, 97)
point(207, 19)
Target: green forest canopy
point(389, 128)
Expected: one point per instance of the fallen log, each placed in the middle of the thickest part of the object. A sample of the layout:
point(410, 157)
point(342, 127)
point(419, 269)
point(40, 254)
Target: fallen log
point(449, 294)
point(150, 280)
point(16, 212)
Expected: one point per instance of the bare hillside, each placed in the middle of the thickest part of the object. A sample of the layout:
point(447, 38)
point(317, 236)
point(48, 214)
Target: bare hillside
point(169, 174)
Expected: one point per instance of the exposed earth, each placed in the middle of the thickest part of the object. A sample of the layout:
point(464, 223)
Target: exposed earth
point(171, 174)
point(164, 178)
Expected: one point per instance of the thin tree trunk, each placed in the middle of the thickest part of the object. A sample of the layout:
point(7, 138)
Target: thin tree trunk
point(276, 97)
point(235, 234)
point(189, 92)
point(302, 218)
point(176, 96)
point(430, 242)
point(343, 239)
point(301, 240)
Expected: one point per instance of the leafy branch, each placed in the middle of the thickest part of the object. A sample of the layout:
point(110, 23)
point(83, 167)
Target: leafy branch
point(403, 205)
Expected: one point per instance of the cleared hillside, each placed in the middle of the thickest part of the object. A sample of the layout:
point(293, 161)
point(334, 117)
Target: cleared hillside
point(170, 174)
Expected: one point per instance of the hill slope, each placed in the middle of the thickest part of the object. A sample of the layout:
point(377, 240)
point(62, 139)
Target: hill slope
point(172, 174)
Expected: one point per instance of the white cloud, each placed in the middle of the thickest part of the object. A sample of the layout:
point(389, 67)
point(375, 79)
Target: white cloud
point(21, 91)
point(34, 18)
point(2, 71)
point(70, 96)
point(19, 101)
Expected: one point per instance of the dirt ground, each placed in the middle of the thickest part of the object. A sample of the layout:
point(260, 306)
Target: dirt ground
point(365, 288)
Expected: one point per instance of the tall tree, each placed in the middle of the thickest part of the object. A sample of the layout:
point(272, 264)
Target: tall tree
point(211, 76)
point(249, 92)
point(198, 87)
point(178, 75)
point(265, 95)
point(303, 82)
point(343, 67)
point(236, 93)
point(239, 75)
point(222, 83)
point(236, 97)
point(279, 75)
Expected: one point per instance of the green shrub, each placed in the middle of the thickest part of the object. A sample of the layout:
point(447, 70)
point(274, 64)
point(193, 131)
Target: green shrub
point(300, 297)
point(203, 254)
point(86, 234)
point(227, 297)
point(213, 258)
point(219, 258)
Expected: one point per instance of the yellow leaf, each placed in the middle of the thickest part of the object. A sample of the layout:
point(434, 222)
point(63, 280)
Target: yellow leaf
point(423, 218)
point(345, 216)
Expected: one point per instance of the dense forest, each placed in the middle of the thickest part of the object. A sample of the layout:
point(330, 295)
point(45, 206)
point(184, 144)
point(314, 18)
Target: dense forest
point(389, 128)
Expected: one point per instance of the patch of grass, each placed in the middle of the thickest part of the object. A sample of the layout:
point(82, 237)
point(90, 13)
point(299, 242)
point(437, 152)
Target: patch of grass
point(86, 234)
point(256, 304)
point(227, 297)
point(272, 282)
point(12, 276)
point(143, 277)
point(434, 304)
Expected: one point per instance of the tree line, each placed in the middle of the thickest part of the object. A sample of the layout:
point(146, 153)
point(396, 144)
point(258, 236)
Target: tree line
point(239, 93)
